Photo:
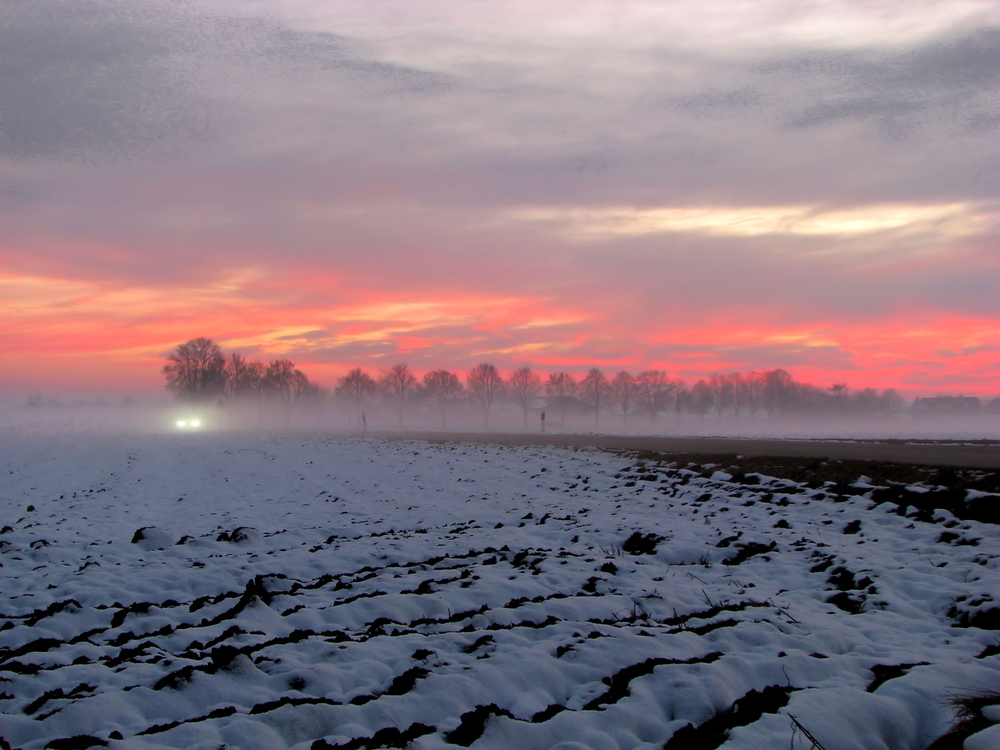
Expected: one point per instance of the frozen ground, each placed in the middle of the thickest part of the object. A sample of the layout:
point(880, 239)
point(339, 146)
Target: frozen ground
point(310, 593)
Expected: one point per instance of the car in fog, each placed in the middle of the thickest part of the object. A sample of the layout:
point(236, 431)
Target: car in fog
point(189, 423)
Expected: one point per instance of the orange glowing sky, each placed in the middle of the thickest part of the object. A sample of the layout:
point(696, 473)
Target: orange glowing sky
point(777, 186)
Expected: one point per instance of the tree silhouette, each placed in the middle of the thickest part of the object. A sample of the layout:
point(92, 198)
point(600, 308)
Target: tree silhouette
point(891, 401)
point(721, 388)
point(240, 376)
point(561, 386)
point(280, 378)
point(442, 386)
point(701, 397)
point(243, 381)
point(195, 370)
point(356, 386)
point(779, 390)
point(839, 393)
point(652, 385)
point(624, 391)
point(485, 384)
point(285, 383)
point(753, 389)
point(524, 385)
point(737, 390)
point(198, 371)
point(681, 396)
point(594, 388)
point(398, 381)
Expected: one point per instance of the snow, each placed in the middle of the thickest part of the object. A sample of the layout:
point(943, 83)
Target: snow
point(988, 739)
point(286, 591)
point(992, 713)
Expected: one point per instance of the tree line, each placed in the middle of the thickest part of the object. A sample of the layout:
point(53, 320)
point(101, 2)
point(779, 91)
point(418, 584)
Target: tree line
point(199, 371)
point(650, 393)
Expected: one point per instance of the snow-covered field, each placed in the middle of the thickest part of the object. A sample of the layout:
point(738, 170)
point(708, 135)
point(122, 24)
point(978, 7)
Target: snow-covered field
point(311, 593)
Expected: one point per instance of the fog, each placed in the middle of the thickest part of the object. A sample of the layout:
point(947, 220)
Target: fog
point(337, 418)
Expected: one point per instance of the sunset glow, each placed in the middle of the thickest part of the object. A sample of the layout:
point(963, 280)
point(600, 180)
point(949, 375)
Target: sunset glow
point(943, 222)
point(552, 186)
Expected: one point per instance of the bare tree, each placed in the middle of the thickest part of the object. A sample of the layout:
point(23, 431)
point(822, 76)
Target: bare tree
point(442, 386)
point(486, 384)
point(701, 398)
point(839, 394)
point(890, 401)
point(561, 386)
point(301, 386)
point(682, 399)
point(398, 382)
point(256, 386)
point(356, 386)
point(280, 380)
point(737, 391)
point(779, 390)
point(624, 391)
point(255, 378)
point(721, 389)
point(243, 382)
point(195, 370)
point(285, 383)
point(865, 400)
point(239, 374)
point(753, 388)
point(652, 385)
point(594, 387)
point(524, 385)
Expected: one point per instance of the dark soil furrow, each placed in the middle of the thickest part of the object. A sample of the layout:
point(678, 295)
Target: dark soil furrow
point(743, 712)
point(473, 724)
point(387, 737)
point(885, 672)
point(218, 713)
point(263, 708)
point(618, 683)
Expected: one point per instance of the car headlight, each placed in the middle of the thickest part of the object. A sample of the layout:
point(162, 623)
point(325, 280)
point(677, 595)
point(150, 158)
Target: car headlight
point(181, 423)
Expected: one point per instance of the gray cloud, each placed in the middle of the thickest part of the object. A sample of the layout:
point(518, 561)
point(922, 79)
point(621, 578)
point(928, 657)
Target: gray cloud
point(931, 85)
point(79, 78)
point(116, 79)
point(202, 142)
point(710, 101)
point(297, 108)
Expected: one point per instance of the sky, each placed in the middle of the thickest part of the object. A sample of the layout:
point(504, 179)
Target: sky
point(734, 185)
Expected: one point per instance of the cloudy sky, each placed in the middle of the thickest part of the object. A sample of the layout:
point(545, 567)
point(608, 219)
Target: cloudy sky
point(727, 185)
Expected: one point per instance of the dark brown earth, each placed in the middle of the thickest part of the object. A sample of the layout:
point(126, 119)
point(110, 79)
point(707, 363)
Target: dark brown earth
point(952, 464)
point(973, 454)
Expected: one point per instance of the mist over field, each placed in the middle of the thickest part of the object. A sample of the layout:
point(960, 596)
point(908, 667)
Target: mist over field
point(332, 416)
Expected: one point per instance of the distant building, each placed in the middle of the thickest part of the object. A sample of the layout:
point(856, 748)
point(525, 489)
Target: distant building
point(951, 406)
